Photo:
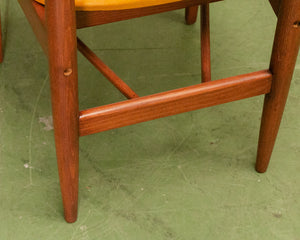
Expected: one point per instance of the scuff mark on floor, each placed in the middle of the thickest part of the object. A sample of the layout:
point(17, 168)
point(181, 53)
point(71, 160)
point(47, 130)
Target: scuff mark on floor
point(48, 121)
point(26, 165)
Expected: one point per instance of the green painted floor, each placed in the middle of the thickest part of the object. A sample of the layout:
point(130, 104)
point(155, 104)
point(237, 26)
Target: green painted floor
point(189, 176)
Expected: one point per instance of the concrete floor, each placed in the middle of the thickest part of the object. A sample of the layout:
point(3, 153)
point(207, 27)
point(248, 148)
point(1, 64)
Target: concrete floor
point(189, 176)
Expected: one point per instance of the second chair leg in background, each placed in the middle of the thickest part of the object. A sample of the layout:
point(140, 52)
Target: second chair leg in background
point(190, 18)
point(205, 44)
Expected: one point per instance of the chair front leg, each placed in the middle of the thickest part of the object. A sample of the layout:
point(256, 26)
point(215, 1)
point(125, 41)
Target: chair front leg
point(284, 56)
point(62, 51)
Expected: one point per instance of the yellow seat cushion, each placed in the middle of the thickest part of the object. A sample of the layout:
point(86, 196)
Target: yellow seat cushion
point(98, 5)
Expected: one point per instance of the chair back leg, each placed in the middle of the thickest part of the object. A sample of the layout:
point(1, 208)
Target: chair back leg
point(190, 18)
point(284, 56)
point(205, 44)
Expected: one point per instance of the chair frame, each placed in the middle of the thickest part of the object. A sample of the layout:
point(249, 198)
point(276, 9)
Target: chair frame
point(55, 27)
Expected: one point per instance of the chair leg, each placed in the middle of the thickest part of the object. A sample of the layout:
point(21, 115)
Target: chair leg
point(285, 51)
point(191, 15)
point(62, 51)
point(1, 49)
point(205, 44)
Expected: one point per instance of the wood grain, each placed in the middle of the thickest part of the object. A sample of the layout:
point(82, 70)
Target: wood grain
point(60, 15)
point(284, 56)
point(173, 102)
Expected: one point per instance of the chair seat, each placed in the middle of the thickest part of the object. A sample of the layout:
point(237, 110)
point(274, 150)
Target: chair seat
point(105, 5)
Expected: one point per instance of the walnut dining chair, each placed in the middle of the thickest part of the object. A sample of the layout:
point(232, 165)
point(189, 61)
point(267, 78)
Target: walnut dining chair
point(54, 23)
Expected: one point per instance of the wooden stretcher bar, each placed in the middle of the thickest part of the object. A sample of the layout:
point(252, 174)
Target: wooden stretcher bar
point(173, 102)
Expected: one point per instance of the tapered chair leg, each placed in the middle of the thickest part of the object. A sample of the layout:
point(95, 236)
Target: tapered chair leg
point(285, 51)
point(1, 49)
point(191, 15)
point(62, 50)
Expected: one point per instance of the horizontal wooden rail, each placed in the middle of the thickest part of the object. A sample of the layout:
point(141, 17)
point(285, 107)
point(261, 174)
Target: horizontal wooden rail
point(105, 70)
point(173, 102)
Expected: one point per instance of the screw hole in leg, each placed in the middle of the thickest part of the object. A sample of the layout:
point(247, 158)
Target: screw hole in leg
point(68, 72)
point(296, 24)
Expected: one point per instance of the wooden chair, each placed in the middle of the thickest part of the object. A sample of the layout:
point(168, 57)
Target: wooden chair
point(55, 26)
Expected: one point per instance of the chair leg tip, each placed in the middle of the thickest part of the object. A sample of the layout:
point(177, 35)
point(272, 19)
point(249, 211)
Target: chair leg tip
point(70, 219)
point(260, 169)
point(190, 22)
